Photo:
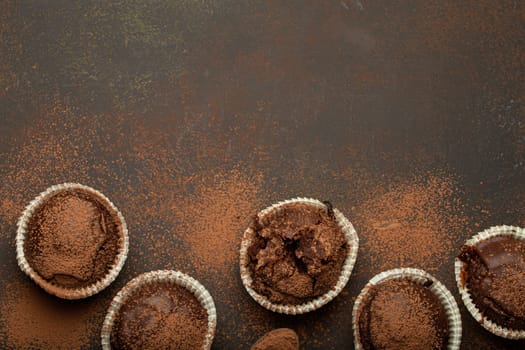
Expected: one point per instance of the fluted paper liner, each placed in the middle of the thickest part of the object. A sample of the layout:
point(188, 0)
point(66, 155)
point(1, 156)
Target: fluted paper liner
point(59, 291)
point(166, 276)
point(420, 277)
point(346, 269)
point(459, 267)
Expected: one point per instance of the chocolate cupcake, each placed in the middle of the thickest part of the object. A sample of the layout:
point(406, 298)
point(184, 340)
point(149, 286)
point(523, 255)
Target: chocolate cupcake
point(406, 309)
point(297, 255)
point(160, 310)
point(72, 241)
point(490, 273)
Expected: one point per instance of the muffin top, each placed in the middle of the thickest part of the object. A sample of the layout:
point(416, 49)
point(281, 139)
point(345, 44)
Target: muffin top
point(401, 314)
point(278, 339)
point(73, 238)
point(494, 273)
point(297, 253)
point(160, 315)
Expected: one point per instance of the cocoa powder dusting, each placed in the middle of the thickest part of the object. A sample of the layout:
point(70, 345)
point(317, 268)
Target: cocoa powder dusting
point(72, 238)
point(183, 211)
point(212, 220)
point(402, 314)
point(411, 223)
point(160, 315)
point(32, 319)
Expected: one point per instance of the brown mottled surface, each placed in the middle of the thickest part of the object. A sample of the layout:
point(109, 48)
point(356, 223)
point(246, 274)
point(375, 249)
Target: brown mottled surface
point(192, 115)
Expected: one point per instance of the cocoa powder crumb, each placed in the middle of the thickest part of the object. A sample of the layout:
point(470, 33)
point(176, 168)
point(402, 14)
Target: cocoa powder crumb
point(212, 220)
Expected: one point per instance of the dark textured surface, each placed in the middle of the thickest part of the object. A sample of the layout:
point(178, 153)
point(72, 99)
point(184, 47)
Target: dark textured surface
point(301, 92)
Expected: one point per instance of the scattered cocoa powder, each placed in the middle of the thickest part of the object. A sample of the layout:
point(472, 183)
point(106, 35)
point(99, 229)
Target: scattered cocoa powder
point(212, 219)
point(413, 223)
point(176, 201)
point(171, 195)
point(32, 319)
point(55, 149)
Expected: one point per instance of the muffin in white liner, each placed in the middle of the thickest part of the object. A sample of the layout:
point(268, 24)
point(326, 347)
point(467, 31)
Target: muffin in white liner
point(53, 288)
point(161, 276)
point(420, 277)
point(346, 269)
point(460, 266)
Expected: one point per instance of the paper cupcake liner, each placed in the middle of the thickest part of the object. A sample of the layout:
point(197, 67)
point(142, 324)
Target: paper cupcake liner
point(459, 267)
point(169, 276)
point(346, 269)
point(420, 277)
point(62, 292)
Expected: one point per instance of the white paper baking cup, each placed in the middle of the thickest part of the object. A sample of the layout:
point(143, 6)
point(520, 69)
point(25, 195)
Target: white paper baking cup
point(62, 292)
point(346, 269)
point(420, 277)
point(460, 266)
point(164, 276)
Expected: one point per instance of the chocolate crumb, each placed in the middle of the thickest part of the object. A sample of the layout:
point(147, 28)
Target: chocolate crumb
point(329, 208)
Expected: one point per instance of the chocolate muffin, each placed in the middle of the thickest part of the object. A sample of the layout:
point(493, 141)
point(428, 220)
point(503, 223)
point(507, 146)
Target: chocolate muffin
point(160, 316)
point(72, 241)
point(402, 314)
point(160, 310)
point(494, 274)
point(297, 253)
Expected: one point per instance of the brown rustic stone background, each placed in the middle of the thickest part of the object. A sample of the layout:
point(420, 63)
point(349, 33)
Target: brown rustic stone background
point(191, 115)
